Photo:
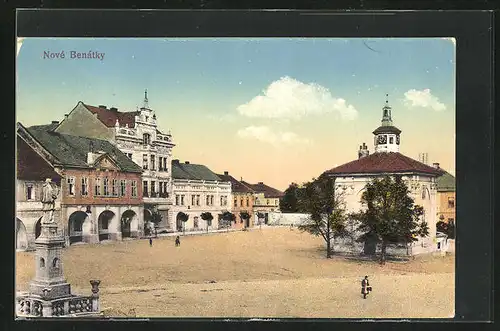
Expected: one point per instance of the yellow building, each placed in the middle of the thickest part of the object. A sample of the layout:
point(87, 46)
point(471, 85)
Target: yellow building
point(242, 201)
point(446, 197)
point(266, 199)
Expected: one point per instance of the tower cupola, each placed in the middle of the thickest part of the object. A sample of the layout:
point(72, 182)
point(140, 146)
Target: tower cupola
point(387, 136)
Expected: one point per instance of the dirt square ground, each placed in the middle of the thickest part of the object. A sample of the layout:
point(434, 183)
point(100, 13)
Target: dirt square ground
point(272, 272)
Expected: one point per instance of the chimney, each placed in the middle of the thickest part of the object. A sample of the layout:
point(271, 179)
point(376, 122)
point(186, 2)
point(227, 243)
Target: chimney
point(363, 151)
point(186, 162)
point(262, 183)
point(436, 165)
point(66, 116)
point(176, 161)
point(102, 106)
point(91, 157)
point(113, 109)
point(226, 173)
point(55, 122)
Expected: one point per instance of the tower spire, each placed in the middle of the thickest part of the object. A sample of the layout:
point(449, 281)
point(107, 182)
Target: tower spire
point(146, 99)
point(386, 115)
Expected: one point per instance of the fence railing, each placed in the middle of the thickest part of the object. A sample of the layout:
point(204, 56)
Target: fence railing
point(27, 306)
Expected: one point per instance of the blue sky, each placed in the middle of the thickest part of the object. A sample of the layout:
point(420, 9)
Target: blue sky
point(198, 85)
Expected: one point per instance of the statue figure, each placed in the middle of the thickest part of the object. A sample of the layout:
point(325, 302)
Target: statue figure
point(49, 196)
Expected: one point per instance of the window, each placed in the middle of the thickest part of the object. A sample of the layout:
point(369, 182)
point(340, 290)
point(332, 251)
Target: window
point(211, 200)
point(248, 202)
point(241, 202)
point(106, 186)
point(165, 168)
point(123, 187)
point(97, 187)
point(267, 200)
point(222, 201)
point(391, 140)
point(146, 138)
point(153, 159)
point(197, 200)
point(115, 188)
point(423, 192)
point(208, 200)
point(193, 197)
point(182, 200)
point(145, 188)
point(30, 192)
point(153, 188)
point(160, 163)
point(85, 186)
point(451, 202)
point(71, 185)
point(134, 188)
point(195, 220)
point(145, 161)
point(176, 200)
point(235, 202)
point(129, 155)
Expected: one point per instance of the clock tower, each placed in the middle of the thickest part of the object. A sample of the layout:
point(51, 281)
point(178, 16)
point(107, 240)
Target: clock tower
point(387, 136)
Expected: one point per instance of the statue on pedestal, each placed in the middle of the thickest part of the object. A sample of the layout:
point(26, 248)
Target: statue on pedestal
point(49, 196)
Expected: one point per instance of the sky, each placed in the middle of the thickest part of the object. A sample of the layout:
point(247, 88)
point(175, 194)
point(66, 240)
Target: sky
point(272, 110)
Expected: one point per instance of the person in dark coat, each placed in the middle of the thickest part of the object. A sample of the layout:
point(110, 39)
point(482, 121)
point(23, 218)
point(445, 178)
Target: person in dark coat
point(365, 287)
point(177, 241)
point(150, 242)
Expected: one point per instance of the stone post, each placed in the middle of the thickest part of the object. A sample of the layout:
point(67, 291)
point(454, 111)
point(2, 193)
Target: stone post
point(46, 308)
point(95, 295)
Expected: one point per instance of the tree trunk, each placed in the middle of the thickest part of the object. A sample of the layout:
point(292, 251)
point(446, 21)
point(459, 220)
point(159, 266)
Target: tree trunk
point(383, 252)
point(328, 250)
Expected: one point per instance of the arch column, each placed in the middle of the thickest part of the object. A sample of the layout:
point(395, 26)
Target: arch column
point(89, 233)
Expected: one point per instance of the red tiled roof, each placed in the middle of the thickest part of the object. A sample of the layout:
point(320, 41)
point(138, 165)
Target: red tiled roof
point(108, 117)
point(382, 162)
point(31, 166)
point(236, 185)
point(268, 191)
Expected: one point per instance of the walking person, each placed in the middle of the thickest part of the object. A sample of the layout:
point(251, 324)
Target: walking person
point(150, 242)
point(365, 287)
point(177, 241)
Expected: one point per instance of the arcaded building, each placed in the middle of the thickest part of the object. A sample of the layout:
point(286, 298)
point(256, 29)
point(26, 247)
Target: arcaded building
point(100, 187)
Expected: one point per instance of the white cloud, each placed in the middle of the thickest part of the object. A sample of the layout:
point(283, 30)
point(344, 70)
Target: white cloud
point(290, 98)
point(453, 40)
point(222, 118)
point(423, 99)
point(266, 135)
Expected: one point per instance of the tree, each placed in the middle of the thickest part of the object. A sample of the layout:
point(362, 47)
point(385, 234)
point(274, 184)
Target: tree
point(326, 209)
point(183, 217)
point(245, 216)
point(228, 219)
point(207, 217)
point(390, 215)
point(260, 216)
point(446, 228)
point(289, 201)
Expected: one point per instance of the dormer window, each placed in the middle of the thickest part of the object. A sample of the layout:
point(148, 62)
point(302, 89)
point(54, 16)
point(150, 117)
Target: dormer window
point(146, 138)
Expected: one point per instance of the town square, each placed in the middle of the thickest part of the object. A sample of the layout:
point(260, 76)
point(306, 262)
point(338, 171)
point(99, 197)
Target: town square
point(214, 178)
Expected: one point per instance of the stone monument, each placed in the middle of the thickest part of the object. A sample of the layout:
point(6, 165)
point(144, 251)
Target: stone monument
point(49, 292)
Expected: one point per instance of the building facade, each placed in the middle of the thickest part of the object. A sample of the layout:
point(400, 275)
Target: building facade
point(100, 187)
point(351, 178)
point(266, 200)
point(32, 171)
point(196, 189)
point(242, 201)
point(446, 197)
point(137, 135)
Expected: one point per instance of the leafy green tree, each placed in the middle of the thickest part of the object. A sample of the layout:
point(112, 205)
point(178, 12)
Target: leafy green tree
point(446, 228)
point(289, 201)
point(183, 217)
point(326, 209)
point(245, 216)
point(260, 217)
point(228, 219)
point(207, 217)
point(390, 215)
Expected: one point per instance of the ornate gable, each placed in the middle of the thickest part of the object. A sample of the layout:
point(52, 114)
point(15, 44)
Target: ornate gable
point(106, 162)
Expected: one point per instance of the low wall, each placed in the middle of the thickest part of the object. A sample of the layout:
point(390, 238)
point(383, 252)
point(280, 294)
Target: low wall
point(294, 219)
